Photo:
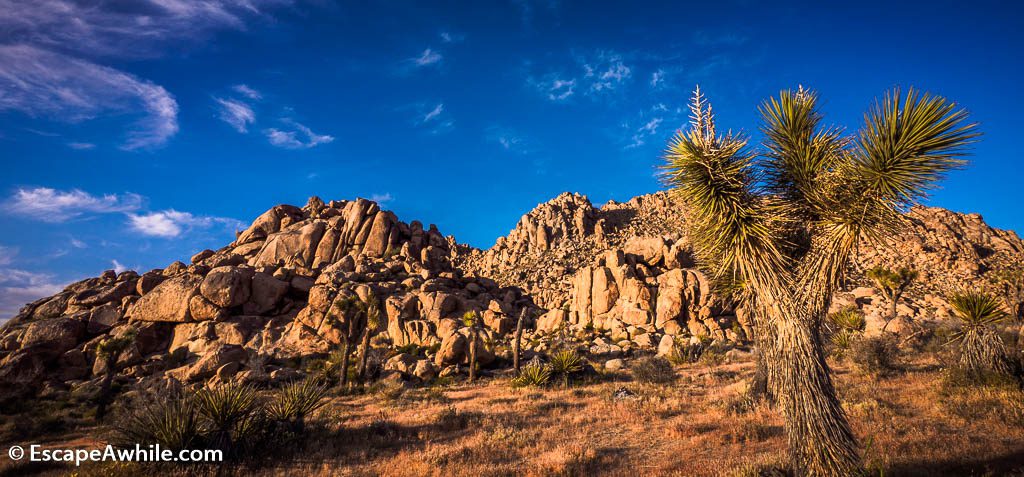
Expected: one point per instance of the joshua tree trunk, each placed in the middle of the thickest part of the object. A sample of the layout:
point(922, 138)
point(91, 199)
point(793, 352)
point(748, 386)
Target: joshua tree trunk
point(820, 440)
point(982, 351)
point(346, 349)
point(516, 343)
point(363, 354)
point(472, 355)
point(893, 300)
point(103, 399)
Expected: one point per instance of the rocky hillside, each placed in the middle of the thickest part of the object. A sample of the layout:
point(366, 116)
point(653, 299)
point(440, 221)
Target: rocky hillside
point(620, 276)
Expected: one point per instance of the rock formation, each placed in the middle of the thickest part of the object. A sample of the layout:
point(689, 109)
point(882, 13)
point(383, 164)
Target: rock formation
point(621, 274)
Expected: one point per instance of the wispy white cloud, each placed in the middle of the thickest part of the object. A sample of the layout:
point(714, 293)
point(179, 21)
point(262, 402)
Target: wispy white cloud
point(509, 140)
point(78, 243)
point(248, 92)
point(52, 54)
point(554, 87)
point(18, 287)
point(51, 205)
point(111, 29)
point(237, 114)
point(434, 113)
point(645, 131)
point(427, 58)
point(450, 37)
point(81, 146)
point(382, 198)
point(43, 83)
point(296, 136)
point(607, 72)
point(432, 117)
point(172, 223)
point(658, 78)
point(118, 267)
point(7, 254)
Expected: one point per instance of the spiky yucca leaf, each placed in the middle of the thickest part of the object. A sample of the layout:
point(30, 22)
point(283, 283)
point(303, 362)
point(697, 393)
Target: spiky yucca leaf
point(225, 405)
point(172, 421)
point(566, 362)
point(533, 374)
point(296, 400)
point(908, 143)
point(976, 308)
point(798, 151)
point(849, 319)
point(734, 226)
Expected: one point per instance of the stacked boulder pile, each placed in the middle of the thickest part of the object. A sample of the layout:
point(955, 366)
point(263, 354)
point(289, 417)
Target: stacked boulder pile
point(615, 278)
point(256, 307)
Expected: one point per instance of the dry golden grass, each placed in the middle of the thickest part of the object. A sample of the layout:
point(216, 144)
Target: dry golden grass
point(910, 423)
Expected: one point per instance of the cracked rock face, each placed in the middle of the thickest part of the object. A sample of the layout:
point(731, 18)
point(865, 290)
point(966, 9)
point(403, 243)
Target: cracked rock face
point(622, 271)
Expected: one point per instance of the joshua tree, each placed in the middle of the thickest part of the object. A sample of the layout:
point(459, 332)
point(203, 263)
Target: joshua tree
point(785, 224)
point(517, 340)
point(109, 350)
point(1009, 282)
point(981, 348)
point(472, 321)
point(892, 283)
point(347, 314)
point(370, 324)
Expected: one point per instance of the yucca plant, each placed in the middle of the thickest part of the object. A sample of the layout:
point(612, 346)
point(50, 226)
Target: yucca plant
point(785, 222)
point(565, 363)
point(981, 348)
point(849, 318)
point(296, 401)
point(533, 374)
point(225, 408)
point(892, 283)
point(172, 421)
point(471, 319)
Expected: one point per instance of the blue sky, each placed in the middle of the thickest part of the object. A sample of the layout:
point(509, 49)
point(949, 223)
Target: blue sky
point(136, 133)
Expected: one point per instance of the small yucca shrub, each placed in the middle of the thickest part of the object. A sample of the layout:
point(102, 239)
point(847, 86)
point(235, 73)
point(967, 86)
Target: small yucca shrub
point(296, 401)
point(229, 411)
point(981, 348)
point(172, 421)
point(565, 363)
point(849, 318)
point(533, 374)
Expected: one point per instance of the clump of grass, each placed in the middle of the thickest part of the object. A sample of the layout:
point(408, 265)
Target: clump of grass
point(653, 370)
point(876, 355)
point(532, 375)
point(688, 353)
point(451, 419)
